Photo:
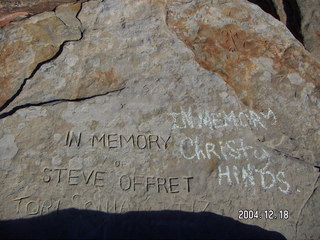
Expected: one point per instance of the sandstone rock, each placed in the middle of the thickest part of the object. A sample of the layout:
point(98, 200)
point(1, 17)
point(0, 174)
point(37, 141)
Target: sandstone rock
point(181, 105)
point(301, 17)
point(25, 46)
point(278, 4)
point(7, 18)
point(12, 10)
point(310, 25)
point(306, 29)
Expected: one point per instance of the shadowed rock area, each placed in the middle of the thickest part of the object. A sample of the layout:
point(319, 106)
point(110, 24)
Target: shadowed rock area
point(84, 224)
point(301, 17)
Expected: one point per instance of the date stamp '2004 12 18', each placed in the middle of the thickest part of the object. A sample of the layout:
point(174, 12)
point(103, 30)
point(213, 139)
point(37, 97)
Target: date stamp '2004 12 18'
point(265, 214)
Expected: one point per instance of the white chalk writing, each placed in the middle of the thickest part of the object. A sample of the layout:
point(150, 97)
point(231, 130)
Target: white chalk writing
point(235, 150)
point(249, 175)
point(214, 120)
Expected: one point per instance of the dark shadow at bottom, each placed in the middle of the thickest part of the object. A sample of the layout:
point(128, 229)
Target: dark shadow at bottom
point(87, 224)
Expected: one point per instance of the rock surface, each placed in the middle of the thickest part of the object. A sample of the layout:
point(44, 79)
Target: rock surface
point(310, 25)
point(151, 105)
point(24, 47)
point(12, 10)
point(301, 17)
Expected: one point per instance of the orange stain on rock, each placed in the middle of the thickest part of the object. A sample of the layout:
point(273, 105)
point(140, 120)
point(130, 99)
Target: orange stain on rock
point(98, 82)
point(4, 86)
point(6, 19)
point(231, 51)
point(295, 58)
point(226, 51)
point(8, 57)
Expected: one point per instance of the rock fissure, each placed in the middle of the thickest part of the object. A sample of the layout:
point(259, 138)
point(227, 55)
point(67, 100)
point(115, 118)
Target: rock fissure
point(10, 100)
point(293, 18)
point(287, 11)
point(288, 155)
point(38, 66)
point(55, 101)
point(267, 6)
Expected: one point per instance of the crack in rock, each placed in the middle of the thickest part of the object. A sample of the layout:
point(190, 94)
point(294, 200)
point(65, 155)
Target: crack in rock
point(55, 56)
point(286, 155)
point(56, 101)
point(287, 11)
point(10, 100)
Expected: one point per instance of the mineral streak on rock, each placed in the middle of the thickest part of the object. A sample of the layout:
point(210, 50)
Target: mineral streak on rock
point(7, 18)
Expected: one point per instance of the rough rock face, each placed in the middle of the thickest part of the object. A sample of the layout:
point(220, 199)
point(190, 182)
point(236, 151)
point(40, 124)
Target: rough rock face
point(301, 17)
point(11, 10)
point(182, 105)
point(310, 25)
point(27, 45)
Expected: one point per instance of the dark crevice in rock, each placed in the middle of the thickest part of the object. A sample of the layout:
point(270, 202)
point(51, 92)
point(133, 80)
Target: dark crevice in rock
point(292, 12)
point(12, 111)
point(267, 6)
point(293, 18)
point(10, 100)
point(288, 156)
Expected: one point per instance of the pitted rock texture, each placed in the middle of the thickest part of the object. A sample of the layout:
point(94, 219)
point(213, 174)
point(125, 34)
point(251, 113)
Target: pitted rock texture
point(152, 105)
